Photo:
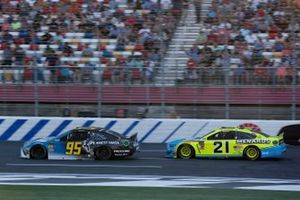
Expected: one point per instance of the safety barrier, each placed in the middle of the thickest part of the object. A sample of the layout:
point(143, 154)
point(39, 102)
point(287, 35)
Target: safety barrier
point(149, 130)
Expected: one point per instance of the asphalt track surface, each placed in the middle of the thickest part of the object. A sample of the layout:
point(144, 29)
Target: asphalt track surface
point(150, 161)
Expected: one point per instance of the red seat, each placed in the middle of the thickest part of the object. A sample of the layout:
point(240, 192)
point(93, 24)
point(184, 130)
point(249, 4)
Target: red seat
point(104, 60)
point(107, 74)
point(212, 38)
point(102, 47)
point(136, 75)
point(139, 47)
point(27, 74)
point(34, 47)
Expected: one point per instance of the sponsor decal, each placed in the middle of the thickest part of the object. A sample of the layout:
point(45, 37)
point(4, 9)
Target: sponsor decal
point(201, 145)
point(108, 142)
point(125, 143)
point(237, 148)
point(248, 141)
point(121, 151)
point(102, 142)
point(50, 147)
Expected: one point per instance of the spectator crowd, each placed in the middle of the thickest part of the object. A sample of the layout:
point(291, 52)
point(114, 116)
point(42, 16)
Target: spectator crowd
point(247, 42)
point(84, 40)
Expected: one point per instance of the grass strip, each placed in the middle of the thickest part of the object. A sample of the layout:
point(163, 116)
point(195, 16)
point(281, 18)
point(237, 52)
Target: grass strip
point(138, 193)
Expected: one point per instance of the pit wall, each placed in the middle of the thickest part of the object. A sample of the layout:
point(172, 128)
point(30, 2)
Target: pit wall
point(149, 130)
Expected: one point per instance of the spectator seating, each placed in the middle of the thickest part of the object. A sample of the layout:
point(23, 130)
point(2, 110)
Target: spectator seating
point(250, 38)
point(80, 34)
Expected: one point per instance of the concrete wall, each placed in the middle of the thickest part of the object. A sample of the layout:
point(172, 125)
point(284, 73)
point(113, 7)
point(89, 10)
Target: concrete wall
point(149, 130)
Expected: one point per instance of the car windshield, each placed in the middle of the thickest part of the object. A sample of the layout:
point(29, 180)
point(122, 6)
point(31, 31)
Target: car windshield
point(200, 137)
point(64, 134)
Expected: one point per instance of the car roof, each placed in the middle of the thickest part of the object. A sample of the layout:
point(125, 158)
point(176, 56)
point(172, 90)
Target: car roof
point(228, 129)
point(88, 128)
point(99, 129)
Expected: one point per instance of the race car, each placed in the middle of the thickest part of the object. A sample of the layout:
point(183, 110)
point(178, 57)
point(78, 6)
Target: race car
point(228, 142)
point(82, 143)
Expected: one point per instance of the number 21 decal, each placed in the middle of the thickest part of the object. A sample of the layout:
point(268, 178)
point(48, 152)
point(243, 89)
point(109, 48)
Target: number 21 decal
point(218, 147)
point(73, 148)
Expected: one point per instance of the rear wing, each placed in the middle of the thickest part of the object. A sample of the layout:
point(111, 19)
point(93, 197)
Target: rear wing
point(133, 137)
point(290, 134)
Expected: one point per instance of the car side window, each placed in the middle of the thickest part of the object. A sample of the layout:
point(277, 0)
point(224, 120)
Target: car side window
point(108, 136)
point(216, 136)
point(64, 138)
point(77, 136)
point(243, 135)
point(230, 135)
point(100, 136)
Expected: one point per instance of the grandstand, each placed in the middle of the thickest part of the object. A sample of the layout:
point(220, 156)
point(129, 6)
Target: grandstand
point(180, 58)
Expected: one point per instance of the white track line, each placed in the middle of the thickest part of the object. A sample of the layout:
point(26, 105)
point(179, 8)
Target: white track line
point(273, 188)
point(96, 184)
point(147, 181)
point(157, 150)
point(70, 165)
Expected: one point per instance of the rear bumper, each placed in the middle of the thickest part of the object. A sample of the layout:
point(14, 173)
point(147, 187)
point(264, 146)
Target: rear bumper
point(273, 151)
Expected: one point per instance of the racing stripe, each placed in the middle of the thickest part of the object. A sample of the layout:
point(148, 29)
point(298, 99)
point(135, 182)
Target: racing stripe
point(61, 127)
point(35, 129)
point(88, 123)
point(12, 129)
point(150, 131)
point(110, 124)
point(131, 127)
point(176, 129)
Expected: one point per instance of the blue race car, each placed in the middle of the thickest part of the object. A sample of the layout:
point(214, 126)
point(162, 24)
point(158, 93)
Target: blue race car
point(82, 143)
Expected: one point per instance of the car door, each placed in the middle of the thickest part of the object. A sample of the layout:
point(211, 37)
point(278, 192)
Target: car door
point(229, 143)
point(69, 146)
point(212, 144)
point(220, 143)
point(73, 144)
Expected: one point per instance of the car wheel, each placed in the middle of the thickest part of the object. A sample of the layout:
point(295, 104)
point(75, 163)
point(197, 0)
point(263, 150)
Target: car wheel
point(186, 151)
point(38, 152)
point(103, 153)
point(252, 153)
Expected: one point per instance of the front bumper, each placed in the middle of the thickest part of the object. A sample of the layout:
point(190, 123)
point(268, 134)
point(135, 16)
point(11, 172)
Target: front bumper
point(171, 151)
point(170, 154)
point(273, 151)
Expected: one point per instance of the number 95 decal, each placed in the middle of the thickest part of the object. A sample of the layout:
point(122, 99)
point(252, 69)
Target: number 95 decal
point(73, 148)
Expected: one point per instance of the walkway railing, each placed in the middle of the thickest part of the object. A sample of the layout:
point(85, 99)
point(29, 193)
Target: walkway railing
point(266, 93)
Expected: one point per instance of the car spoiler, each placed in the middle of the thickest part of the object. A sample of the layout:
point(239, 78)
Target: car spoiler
point(133, 137)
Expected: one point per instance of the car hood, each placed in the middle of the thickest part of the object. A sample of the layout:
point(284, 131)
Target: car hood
point(175, 142)
point(39, 140)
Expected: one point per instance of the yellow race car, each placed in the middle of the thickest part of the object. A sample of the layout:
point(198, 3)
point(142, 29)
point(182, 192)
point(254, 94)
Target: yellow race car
point(228, 142)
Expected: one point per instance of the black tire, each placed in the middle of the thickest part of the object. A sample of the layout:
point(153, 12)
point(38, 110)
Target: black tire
point(103, 153)
point(252, 153)
point(186, 151)
point(38, 152)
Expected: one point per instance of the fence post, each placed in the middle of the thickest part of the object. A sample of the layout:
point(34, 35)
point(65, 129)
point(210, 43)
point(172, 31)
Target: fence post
point(99, 92)
point(294, 93)
point(36, 92)
point(162, 93)
point(227, 95)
